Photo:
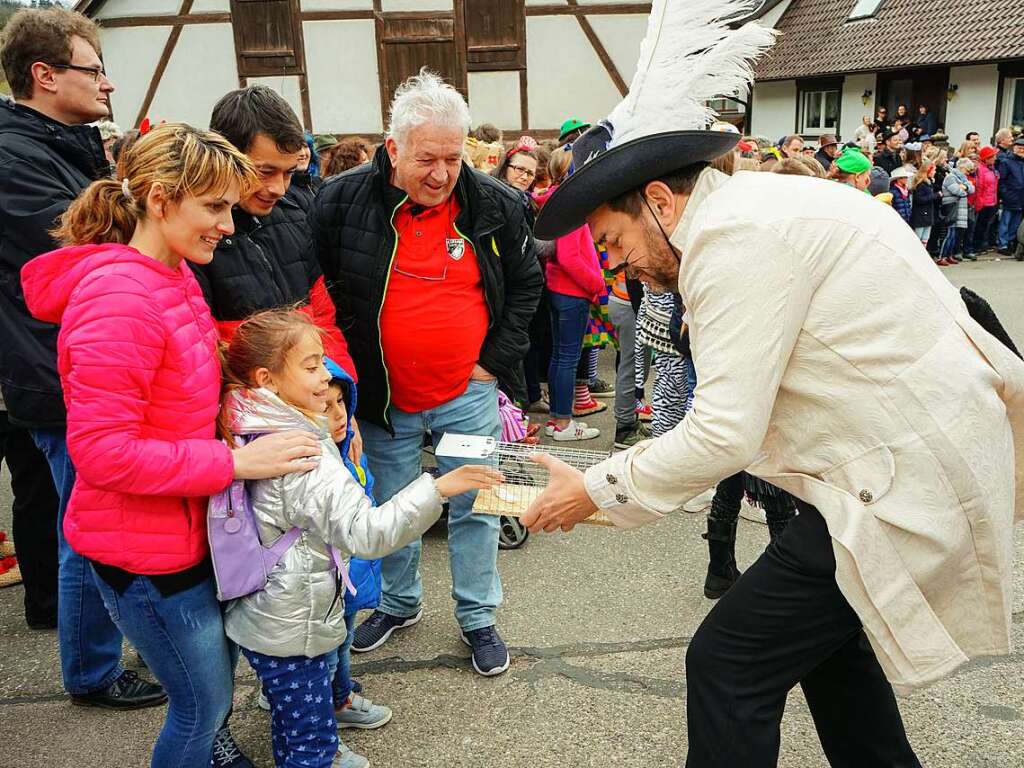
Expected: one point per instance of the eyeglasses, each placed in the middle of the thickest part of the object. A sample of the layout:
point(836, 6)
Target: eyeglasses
point(523, 170)
point(94, 71)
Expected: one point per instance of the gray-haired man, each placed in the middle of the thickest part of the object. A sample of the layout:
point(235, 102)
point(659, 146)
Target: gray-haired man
point(432, 269)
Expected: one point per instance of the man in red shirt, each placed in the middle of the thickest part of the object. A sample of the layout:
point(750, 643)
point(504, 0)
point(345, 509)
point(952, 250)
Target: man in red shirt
point(433, 270)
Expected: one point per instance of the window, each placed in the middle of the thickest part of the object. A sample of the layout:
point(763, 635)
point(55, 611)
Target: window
point(495, 32)
point(1017, 102)
point(819, 111)
point(864, 9)
point(268, 38)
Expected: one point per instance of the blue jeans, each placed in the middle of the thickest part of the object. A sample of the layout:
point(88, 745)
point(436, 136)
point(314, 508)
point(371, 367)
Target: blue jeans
point(953, 246)
point(303, 729)
point(1009, 223)
point(181, 638)
point(569, 316)
point(340, 662)
point(472, 539)
point(90, 643)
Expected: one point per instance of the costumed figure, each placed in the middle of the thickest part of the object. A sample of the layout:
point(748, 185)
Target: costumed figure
point(894, 422)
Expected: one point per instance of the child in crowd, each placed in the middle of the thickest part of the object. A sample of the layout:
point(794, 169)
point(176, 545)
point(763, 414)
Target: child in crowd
point(901, 192)
point(290, 632)
point(922, 216)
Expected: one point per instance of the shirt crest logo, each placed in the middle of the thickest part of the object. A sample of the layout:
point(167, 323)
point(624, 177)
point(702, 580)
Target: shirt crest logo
point(456, 247)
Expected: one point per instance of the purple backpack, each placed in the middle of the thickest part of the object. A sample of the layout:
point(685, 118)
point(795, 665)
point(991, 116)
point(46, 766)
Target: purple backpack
point(241, 564)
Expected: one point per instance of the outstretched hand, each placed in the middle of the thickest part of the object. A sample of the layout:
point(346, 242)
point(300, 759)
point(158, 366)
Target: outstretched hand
point(563, 503)
point(468, 477)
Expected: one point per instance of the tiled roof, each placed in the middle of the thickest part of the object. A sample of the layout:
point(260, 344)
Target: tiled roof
point(817, 39)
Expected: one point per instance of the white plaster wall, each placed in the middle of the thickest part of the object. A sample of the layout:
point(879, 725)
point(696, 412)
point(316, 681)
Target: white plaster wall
point(774, 109)
point(211, 6)
point(416, 5)
point(201, 70)
point(581, 88)
point(853, 107)
point(130, 57)
point(621, 36)
point(494, 98)
point(337, 5)
point(546, 2)
point(113, 9)
point(286, 85)
point(344, 90)
point(974, 106)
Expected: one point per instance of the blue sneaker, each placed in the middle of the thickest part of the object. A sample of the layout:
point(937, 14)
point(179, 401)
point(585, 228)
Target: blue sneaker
point(490, 654)
point(376, 630)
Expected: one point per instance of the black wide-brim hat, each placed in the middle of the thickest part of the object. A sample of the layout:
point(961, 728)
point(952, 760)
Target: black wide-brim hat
point(601, 174)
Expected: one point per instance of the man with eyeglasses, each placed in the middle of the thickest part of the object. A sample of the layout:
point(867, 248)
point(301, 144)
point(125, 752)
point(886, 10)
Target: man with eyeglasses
point(48, 154)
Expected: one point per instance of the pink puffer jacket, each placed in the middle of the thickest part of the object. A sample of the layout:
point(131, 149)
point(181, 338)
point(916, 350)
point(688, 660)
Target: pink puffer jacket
point(138, 363)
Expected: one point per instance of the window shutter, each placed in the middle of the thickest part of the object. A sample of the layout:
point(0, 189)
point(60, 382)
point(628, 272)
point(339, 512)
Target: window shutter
point(268, 37)
point(495, 31)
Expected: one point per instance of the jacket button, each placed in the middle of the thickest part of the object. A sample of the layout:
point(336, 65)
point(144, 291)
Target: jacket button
point(621, 498)
point(867, 496)
point(611, 479)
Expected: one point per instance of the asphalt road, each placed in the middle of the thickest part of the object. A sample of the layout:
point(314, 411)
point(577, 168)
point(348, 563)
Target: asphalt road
point(598, 622)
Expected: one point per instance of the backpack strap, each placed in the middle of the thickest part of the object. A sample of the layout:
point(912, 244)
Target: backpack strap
point(272, 555)
point(339, 564)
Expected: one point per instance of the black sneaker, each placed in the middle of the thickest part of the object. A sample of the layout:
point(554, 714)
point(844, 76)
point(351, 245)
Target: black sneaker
point(627, 437)
point(601, 388)
point(490, 654)
point(376, 630)
point(129, 691)
point(226, 753)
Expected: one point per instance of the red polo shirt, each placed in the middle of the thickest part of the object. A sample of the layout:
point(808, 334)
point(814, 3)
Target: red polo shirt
point(434, 319)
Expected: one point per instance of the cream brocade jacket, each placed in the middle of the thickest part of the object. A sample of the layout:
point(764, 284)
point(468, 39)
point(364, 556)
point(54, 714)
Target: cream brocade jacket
point(835, 361)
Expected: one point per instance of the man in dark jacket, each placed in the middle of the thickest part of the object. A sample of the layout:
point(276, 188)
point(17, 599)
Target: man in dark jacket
point(433, 271)
point(889, 158)
point(1011, 194)
point(266, 263)
point(927, 124)
point(47, 156)
point(828, 150)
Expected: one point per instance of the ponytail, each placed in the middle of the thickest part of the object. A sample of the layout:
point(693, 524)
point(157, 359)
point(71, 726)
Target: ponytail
point(102, 213)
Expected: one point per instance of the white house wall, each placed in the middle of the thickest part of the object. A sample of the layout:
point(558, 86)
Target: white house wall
point(494, 98)
point(567, 79)
point(774, 109)
point(341, 62)
point(211, 6)
point(337, 5)
point(288, 86)
point(200, 71)
point(974, 106)
point(113, 9)
point(130, 56)
point(853, 107)
point(621, 37)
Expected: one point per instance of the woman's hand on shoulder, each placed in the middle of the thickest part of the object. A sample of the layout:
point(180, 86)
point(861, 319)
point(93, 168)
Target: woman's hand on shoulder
point(276, 455)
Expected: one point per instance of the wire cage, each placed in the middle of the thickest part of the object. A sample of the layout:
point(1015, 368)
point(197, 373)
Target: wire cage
point(524, 478)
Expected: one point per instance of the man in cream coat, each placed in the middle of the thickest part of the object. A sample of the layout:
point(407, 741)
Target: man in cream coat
point(834, 361)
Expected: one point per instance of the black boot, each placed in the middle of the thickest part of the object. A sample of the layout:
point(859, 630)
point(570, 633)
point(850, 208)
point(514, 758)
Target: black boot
point(722, 570)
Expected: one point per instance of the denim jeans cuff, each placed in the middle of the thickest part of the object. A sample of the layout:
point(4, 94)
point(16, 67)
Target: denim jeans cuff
point(479, 622)
point(107, 682)
point(398, 612)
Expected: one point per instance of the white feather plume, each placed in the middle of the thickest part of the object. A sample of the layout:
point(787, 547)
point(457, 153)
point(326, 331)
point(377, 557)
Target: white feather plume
point(688, 56)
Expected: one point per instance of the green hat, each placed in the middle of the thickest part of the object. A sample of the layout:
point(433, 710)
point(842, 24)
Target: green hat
point(852, 161)
point(324, 141)
point(570, 125)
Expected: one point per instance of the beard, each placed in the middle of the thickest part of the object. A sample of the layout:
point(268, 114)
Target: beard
point(661, 273)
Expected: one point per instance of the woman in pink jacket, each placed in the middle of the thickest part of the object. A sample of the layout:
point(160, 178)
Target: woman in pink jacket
point(137, 355)
point(574, 281)
point(985, 201)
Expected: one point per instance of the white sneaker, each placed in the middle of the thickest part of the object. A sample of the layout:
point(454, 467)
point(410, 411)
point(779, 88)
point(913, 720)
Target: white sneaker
point(754, 514)
point(549, 428)
point(573, 431)
point(346, 758)
point(362, 713)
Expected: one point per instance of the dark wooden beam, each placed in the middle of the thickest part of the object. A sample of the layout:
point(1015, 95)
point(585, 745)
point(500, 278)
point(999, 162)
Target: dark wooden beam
point(158, 73)
point(382, 74)
point(177, 21)
point(335, 15)
point(590, 10)
point(524, 99)
point(599, 49)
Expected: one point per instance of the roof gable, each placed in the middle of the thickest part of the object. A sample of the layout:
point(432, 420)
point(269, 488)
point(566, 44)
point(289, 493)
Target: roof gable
point(817, 38)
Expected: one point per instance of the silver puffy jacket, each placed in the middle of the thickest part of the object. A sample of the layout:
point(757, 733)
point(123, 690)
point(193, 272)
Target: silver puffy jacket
point(300, 613)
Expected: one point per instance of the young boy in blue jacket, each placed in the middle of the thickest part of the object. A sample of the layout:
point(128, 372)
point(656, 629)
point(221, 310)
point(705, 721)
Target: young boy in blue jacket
point(352, 709)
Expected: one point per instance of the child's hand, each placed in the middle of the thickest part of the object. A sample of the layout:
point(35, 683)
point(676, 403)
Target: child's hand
point(471, 477)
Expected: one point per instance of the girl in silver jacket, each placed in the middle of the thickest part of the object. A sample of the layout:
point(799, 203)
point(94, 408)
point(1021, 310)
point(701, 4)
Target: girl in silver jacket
point(278, 382)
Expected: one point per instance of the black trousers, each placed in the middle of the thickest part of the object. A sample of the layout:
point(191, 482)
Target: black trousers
point(35, 521)
point(785, 622)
